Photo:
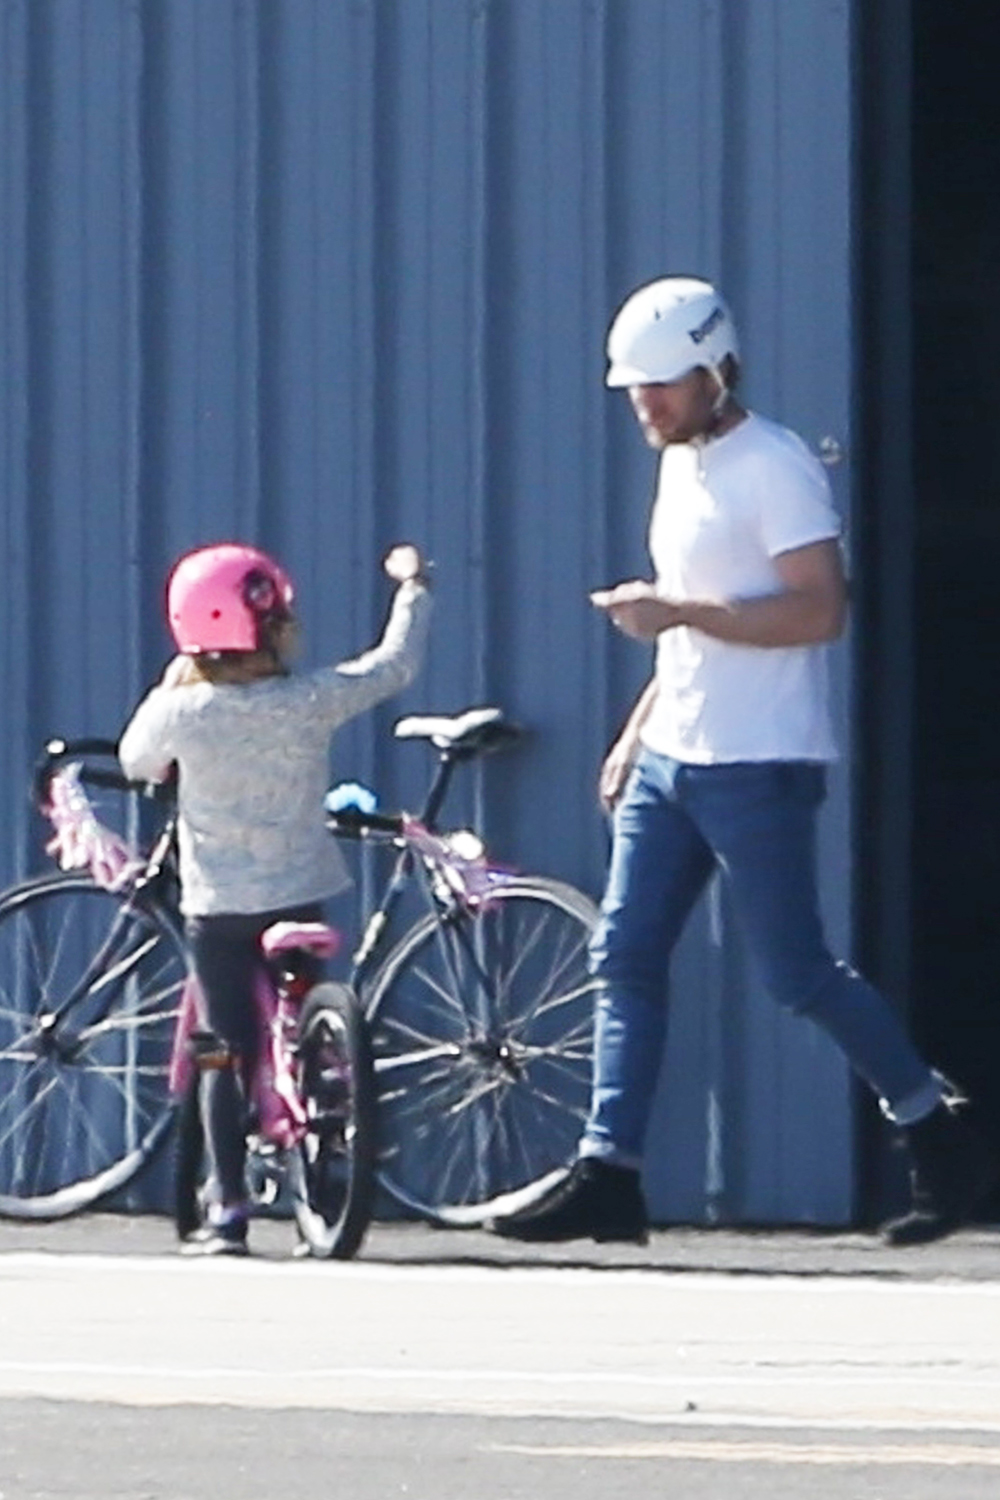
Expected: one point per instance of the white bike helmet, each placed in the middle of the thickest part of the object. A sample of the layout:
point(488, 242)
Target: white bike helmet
point(668, 328)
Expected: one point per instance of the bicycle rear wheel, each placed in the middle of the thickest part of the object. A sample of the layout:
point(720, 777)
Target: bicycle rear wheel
point(482, 1028)
point(334, 1182)
point(90, 987)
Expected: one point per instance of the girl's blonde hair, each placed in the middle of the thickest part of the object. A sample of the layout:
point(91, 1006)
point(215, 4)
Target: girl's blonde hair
point(272, 659)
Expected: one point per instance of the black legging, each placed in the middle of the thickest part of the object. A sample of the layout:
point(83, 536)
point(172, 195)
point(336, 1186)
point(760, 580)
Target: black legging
point(224, 953)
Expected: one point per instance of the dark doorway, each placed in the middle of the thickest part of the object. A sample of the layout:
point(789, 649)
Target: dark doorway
point(956, 465)
point(926, 544)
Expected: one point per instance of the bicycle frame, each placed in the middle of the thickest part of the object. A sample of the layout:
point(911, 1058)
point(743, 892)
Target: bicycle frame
point(411, 863)
point(280, 1115)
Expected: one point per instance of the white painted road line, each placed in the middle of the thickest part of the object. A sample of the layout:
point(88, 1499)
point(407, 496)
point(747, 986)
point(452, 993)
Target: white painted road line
point(722, 1451)
point(518, 1341)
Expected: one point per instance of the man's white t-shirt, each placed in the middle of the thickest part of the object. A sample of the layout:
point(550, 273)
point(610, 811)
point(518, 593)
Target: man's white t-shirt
point(724, 510)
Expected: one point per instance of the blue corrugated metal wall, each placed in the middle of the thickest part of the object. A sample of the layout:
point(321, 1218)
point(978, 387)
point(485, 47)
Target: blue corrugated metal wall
point(328, 273)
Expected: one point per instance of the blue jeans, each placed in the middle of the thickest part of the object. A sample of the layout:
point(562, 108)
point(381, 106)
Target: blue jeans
point(675, 823)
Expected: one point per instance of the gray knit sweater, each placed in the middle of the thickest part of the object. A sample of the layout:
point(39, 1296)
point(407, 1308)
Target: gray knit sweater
point(253, 766)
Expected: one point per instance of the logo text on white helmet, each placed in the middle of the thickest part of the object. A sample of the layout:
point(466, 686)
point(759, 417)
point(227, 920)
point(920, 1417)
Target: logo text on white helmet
point(700, 334)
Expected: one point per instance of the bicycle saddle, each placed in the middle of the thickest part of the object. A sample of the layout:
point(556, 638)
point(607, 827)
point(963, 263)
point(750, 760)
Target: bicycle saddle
point(314, 937)
point(475, 731)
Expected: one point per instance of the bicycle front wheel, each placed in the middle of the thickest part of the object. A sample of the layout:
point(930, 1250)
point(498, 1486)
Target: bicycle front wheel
point(482, 1028)
point(334, 1182)
point(90, 988)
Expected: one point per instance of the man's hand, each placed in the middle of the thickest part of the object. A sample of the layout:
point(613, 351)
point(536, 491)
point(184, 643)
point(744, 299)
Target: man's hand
point(637, 609)
point(614, 772)
point(621, 757)
point(807, 609)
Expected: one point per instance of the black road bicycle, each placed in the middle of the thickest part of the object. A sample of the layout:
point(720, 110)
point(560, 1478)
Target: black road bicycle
point(479, 1015)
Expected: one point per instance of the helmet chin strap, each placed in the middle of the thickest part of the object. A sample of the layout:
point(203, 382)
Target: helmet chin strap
point(719, 405)
point(722, 398)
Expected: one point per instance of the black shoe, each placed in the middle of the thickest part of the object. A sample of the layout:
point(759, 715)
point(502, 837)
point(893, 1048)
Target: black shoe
point(597, 1201)
point(952, 1174)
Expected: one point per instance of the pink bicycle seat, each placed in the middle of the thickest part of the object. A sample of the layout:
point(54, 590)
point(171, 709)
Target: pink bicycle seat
point(314, 937)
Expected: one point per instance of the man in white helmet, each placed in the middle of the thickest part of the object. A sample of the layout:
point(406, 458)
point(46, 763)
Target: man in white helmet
point(722, 764)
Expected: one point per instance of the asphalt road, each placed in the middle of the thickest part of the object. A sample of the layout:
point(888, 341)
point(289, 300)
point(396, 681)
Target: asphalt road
point(452, 1366)
point(972, 1255)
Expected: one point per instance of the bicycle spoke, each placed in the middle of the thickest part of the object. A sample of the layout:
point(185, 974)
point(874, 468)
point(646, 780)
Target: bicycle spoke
point(78, 1111)
point(10, 1019)
point(35, 1106)
point(446, 994)
point(481, 1089)
point(503, 979)
point(483, 1043)
point(563, 999)
point(137, 1020)
point(548, 995)
point(43, 971)
point(435, 1089)
point(544, 1096)
point(518, 1143)
point(430, 1053)
point(576, 1046)
point(128, 1070)
point(82, 1100)
point(124, 966)
point(458, 1168)
point(406, 1030)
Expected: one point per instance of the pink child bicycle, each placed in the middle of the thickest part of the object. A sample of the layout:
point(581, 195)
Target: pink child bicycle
point(98, 1030)
point(310, 1125)
point(474, 996)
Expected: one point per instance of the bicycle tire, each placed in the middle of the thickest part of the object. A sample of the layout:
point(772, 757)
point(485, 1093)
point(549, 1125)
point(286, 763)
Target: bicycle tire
point(189, 1156)
point(482, 1030)
point(333, 1187)
point(83, 1100)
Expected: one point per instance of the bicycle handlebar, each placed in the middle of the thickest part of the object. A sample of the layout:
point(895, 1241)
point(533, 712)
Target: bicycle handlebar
point(57, 752)
point(351, 822)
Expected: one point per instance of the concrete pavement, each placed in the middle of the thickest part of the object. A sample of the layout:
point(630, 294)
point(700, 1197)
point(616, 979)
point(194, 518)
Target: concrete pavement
point(484, 1328)
point(447, 1366)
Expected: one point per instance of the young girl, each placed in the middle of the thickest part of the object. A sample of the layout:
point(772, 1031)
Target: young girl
point(251, 745)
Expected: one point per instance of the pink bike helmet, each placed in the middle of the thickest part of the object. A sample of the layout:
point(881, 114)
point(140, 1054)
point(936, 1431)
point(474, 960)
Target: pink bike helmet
point(219, 597)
